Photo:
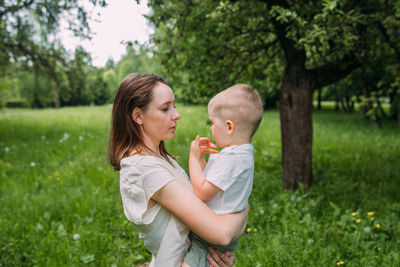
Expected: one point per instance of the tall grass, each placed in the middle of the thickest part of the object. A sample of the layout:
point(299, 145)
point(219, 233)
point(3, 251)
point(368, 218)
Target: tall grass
point(60, 202)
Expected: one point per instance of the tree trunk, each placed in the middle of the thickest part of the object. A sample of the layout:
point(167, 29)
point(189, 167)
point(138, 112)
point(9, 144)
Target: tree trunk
point(398, 118)
point(337, 103)
point(344, 108)
point(319, 98)
point(296, 128)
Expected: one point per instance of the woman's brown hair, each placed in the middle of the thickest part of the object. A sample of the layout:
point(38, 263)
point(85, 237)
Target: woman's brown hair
point(134, 91)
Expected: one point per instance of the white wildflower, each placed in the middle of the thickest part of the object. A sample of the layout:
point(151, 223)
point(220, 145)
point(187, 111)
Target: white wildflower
point(275, 205)
point(43, 137)
point(76, 236)
point(114, 265)
point(39, 227)
point(64, 138)
point(261, 211)
point(80, 138)
point(6, 149)
point(310, 241)
point(367, 229)
point(33, 164)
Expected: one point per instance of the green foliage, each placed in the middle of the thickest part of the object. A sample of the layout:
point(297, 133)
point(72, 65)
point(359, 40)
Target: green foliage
point(207, 46)
point(61, 206)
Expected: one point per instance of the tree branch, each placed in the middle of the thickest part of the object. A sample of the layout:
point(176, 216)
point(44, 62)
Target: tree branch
point(15, 8)
point(334, 71)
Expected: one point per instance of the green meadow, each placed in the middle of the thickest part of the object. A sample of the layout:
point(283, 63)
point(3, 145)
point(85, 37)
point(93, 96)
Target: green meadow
point(60, 203)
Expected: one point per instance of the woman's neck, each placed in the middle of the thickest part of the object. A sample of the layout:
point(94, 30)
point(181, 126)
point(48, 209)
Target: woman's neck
point(151, 147)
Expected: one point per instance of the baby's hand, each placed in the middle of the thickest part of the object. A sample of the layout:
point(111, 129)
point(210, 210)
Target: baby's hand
point(206, 146)
point(195, 148)
point(201, 146)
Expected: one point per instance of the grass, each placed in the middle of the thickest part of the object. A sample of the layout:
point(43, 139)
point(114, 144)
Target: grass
point(60, 202)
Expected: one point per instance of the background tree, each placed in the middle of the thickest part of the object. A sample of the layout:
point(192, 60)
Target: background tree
point(28, 35)
point(299, 46)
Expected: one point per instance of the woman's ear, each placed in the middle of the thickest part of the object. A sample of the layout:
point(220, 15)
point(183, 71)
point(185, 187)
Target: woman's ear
point(137, 115)
point(231, 126)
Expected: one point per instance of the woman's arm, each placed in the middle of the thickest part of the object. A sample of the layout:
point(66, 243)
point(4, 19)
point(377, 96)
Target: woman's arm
point(216, 229)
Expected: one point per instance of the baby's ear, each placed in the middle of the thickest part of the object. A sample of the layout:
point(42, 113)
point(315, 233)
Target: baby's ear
point(231, 126)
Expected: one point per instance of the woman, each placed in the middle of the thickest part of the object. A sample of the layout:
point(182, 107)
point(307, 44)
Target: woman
point(156, 193)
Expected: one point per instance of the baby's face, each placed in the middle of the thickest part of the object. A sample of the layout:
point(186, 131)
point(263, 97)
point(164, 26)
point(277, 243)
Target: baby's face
point(219, 129)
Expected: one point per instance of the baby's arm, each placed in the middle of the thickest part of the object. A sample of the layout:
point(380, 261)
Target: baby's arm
point(202, 188)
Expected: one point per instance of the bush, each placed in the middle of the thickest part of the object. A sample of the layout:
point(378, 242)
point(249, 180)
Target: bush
point(17, 103)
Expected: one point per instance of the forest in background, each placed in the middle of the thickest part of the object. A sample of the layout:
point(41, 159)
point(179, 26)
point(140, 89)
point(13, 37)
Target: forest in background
point(36, 70)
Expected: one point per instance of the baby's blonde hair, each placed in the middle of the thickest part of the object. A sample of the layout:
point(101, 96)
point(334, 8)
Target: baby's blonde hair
point(241, 104)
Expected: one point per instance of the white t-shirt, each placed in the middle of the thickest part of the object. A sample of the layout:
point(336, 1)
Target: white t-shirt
point(165, 236)
point(231, 170)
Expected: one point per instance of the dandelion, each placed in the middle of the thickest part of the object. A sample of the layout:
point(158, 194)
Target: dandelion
point(378, 226)
point(367, 229)
point(358, 221)
point(255, 230)
point(248, 230)
point(370, 213)
point(6, 149)
point(340, 263)
point(64, 138)
point(39, 227)
point(372, 218)
point(379, 249)
point(33, 164)
point(354, 213)
point(76, 236)
point(310, 241)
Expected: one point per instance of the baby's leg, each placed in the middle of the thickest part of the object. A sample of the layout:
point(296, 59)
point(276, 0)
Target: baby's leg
point(184, 264)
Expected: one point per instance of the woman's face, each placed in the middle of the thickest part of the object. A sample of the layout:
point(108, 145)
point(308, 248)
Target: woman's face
point(159, 119)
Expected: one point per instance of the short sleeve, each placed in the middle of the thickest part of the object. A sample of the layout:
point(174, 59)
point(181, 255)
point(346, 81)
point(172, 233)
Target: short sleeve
point(223, 170)
point(138, 183)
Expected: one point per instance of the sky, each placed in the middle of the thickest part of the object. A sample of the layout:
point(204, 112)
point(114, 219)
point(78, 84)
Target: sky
point(119, 22)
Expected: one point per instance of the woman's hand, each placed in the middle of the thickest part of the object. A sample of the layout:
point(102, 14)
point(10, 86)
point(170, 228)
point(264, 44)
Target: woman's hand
point(221, 259)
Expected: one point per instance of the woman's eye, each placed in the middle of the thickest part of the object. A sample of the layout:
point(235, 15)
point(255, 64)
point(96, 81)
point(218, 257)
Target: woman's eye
point(165, 109)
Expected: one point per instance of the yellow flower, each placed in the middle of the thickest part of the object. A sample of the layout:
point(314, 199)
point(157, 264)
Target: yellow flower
point(370, 213)
point(379, 249)
point(248, 229)
point(340, 263)
point(358, 221)
point(372, 218)
point(354, 213)
point(378, 226)
point(255, 230)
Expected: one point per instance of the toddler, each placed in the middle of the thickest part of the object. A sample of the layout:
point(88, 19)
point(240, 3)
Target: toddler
point(225, 181)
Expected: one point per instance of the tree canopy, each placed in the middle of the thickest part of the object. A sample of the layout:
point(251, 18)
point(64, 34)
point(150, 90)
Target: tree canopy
point(294, 46)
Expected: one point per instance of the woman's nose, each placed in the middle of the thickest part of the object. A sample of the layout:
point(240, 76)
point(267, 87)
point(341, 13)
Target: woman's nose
point(176, 115)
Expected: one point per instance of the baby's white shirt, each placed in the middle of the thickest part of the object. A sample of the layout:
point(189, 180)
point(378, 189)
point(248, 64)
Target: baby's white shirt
point(231, 170)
